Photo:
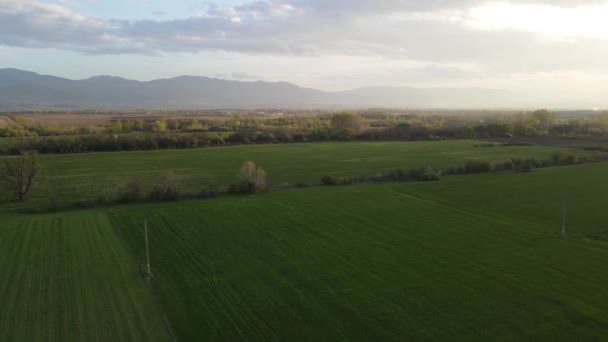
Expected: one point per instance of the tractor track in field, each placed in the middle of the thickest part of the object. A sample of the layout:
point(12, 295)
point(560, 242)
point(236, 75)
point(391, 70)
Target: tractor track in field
point(156, 298)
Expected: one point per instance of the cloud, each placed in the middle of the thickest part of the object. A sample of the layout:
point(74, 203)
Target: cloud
point(434, 31)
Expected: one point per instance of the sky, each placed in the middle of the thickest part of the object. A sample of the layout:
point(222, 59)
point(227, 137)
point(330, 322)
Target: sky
point(551, 48)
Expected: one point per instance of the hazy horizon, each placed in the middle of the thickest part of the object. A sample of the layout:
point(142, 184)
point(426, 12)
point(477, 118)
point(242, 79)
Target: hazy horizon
point(549, 49)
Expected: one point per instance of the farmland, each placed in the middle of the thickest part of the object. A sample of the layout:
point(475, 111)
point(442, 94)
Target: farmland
point(472, 257)
point(66, 277)
point(82, 177)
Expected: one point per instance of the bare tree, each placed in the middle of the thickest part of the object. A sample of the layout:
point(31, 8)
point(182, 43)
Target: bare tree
point(21, 173)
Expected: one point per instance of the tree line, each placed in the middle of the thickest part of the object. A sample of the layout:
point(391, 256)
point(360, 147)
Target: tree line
point(338, 127)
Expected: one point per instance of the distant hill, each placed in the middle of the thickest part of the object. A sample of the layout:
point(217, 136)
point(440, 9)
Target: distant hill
point(23, 90)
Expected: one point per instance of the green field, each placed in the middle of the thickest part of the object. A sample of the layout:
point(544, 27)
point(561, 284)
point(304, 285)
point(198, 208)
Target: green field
point(471, 258)
point(19, 142)
point(67, 277)
point(77, 177)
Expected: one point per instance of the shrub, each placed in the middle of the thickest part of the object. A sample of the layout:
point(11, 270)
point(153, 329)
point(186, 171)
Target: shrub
point(333, 180)
point(556, 158)
point(329, 180)
point(397, 175)
point(165, 190)
point(425, 174)
point(455, 170)
point(477, 166)
point(234, 189)
point(131, 192)
point(525, 167)
point(346, 180)
point(508, 165)
point(571, 159)
point(209, 191)
point(301, 185)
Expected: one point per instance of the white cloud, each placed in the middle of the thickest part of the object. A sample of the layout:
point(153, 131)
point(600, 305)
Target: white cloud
point(585, 21)
point(335, 43)
point(299, 27)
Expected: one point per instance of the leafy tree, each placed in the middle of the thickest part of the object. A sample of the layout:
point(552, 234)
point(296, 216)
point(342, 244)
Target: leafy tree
point(545, 118)
point(172, 124)
point(159, 125)
point(343, 121)
point(139, 125)
point(21, 173)
point(253, 178)
point(468, 132)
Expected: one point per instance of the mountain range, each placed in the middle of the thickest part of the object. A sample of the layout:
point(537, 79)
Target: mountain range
point(24, 90)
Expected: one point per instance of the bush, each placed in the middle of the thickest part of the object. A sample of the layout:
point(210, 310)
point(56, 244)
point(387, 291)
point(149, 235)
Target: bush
point(556, 158)
point(455, 170)
point(508, 165)
point(131, 192)
point(329, 180)
point(425, 174)
point(234, 189)
point(301, 185)
point(165, 190)
point(477, 166)
point(571, 159)
point(346, 180)
point(209, 191)
point(396, 175)
point(526, 167)
point(333, 180)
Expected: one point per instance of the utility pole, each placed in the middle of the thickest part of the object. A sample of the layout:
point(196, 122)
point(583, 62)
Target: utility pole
point(147, 249)
point(564, 222)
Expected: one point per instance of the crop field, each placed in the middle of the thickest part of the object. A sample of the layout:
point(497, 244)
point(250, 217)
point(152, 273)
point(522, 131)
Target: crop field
point(469, 258)
point(473, 257)
point(76, 177)
point(66, 277)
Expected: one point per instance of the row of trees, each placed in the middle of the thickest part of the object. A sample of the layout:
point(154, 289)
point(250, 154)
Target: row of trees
point(537, 122)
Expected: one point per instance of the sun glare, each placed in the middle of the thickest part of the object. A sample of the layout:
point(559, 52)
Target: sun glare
point(583, 21)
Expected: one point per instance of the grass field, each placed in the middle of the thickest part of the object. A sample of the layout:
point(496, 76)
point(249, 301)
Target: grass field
point(77, 177)
point(467, 258)
point(473, 257)
point(67, 277)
